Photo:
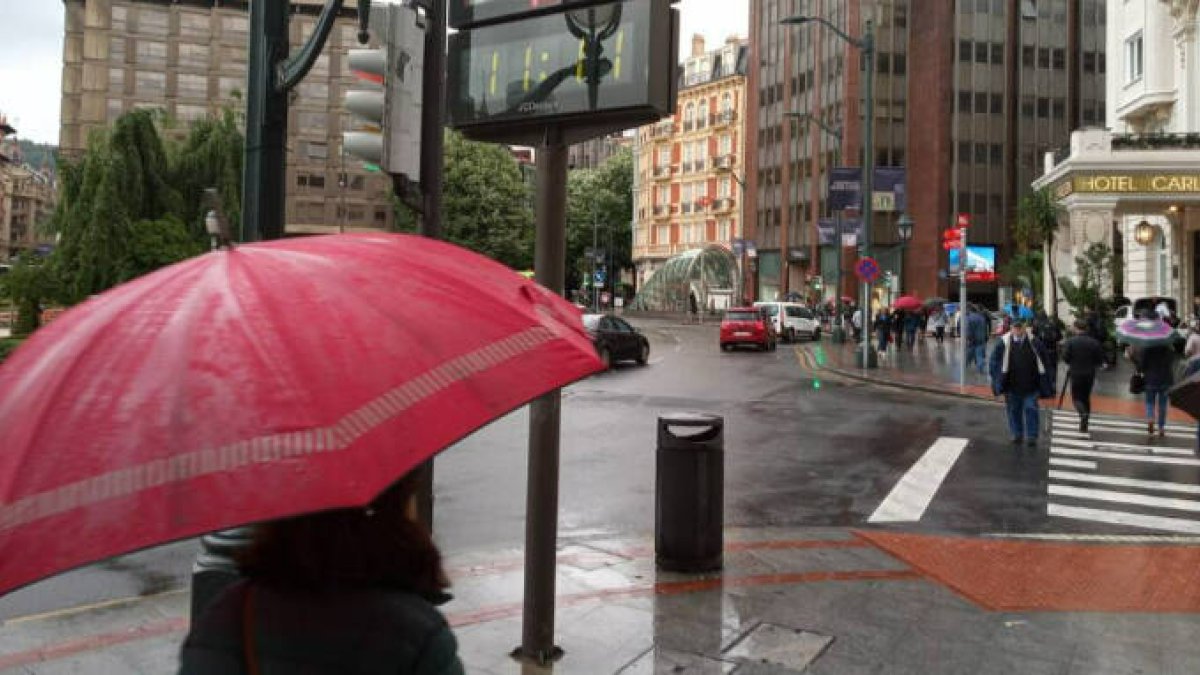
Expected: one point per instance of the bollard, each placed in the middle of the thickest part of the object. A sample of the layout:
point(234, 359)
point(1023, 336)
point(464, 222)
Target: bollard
point(689, 492)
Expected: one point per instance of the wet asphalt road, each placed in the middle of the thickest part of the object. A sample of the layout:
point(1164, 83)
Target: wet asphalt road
point(801, 450)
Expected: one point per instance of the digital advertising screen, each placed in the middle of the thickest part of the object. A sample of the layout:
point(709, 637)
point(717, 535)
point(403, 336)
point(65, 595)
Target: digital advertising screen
point(981, 262)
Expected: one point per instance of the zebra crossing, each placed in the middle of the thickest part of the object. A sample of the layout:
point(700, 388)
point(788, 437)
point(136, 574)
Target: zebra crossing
point(1116, 474)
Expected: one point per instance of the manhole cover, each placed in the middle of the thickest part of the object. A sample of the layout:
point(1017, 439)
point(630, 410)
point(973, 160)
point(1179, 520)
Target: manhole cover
point(777, 645)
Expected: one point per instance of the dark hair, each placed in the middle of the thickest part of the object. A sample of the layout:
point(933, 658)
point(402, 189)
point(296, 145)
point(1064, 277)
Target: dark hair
point(349, 548)
point(1081, 325)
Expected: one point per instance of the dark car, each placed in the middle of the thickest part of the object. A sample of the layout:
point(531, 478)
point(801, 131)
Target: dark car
point(616, 340)
point(747, 326)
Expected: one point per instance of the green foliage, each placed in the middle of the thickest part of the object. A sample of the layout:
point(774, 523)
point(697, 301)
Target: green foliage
point(8, 345)
point(486, 202)
point(406, 218)
point(1025, 270)
point(158, 243)
point(1037, 221)
point(211, 156)
point(38, 154)
point(29, 285)
point(600, 207)
point(1093, 289)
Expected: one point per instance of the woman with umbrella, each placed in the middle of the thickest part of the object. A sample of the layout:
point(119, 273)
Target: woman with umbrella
point(1152, 353)
point(338, 591)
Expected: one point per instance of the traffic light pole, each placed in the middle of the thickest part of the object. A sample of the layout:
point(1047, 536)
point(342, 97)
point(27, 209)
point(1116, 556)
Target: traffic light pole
point(545, 416)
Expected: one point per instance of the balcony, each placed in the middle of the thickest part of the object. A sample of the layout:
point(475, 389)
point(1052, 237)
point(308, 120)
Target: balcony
point(688, 126)
point(723, 205)
point(686, 167)
point(686, 207)
point(663, 130)
point(722, 119)
point(662, 173)
point(723, 162)
point(662, 211)
point(700, 204)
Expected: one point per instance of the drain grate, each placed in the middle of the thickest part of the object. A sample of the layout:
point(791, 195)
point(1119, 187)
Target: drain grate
point(777, 645)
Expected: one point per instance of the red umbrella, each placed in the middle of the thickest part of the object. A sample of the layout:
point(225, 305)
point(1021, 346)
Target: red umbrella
point(908, 303)
point(259, 382)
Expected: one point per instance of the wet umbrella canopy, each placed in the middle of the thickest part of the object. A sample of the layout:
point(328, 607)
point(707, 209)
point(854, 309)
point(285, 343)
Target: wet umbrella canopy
point(1145, 332)
point(268, 380)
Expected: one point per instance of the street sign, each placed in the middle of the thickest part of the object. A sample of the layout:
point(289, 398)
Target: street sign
point(599, 277)
point(867, 270)
point(611, 65)
point(738, 247)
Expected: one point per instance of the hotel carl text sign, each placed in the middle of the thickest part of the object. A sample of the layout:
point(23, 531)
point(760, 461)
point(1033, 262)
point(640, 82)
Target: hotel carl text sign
point(1151, 183)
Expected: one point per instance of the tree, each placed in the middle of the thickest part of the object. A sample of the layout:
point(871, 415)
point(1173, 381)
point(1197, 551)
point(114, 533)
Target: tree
point(485, 203)
point(29, 285)
point(1025, 270)
point(600, 209)
point(210, 157)
point(1092, 288)
point(1037, 224)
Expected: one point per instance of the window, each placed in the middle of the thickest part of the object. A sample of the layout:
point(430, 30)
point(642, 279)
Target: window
point(981, 52)
point(723, 188)
point(314, 92)
point(313, 149)
point(662, 234)
point(151, 84)
point(115, 108)
point(997, 54)
point(964, 152)
point(1060, 59)
point(981, 153)
point(723, 230)
point(310, 180)
point(228, 86)
point(997, 104)
point(964, 50)
point(116, 79)
point(1133, 58)
point(664, 157)
point(190, 113)
point(312, 122)
point(234, 25)
point(727, 103)
point(193, 56)
point(116, 50)
point(1058, 108)
point(1043, 107)
point(689, 115)
point(120, 19)
point(1028, 56)
point(1089, 62)
point(191, 86)
point(964, 101)
point(883, 63)
point(899, 64)
point(151, 53)
point(194, 25)
point(152, 21)
point(687, 156)
point(981, 103)
point(1027, 106)
point(380, 216)
point(726, 144)
point(1044, 57)
point(996, 154)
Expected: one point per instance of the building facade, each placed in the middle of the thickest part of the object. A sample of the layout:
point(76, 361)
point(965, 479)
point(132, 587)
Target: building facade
point(968, 95)
point(189, 58)
point(688, 168)
point(1135, 185)
point(592, 153)
point(27, 198)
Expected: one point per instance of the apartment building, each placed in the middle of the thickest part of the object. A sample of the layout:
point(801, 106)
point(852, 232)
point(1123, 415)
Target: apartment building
point(688, 167)
point(189, 58)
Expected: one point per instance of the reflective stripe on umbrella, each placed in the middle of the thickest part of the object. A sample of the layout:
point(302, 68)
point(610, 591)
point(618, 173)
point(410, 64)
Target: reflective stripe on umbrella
point(259, 382)
point(1146, 332)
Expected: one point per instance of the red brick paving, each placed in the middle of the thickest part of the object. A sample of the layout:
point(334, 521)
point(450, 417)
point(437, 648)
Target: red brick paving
point(1030, 576)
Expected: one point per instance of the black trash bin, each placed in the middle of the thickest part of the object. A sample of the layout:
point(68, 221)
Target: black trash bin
point(689, 492)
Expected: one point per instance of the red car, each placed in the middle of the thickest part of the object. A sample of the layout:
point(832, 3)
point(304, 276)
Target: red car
point(747, 326)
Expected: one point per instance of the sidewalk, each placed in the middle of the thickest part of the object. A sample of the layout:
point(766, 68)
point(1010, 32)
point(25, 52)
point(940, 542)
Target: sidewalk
point(927, 367)
point(789, 600)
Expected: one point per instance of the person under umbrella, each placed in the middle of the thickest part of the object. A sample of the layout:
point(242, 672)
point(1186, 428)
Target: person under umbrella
point(976, 332)
point(937, 319)
point(1046, 330)
point(1018, 369)
point(1083, 355)
point(912, 320)
point(883, 329)
point(348, 590)
point(1156, 363)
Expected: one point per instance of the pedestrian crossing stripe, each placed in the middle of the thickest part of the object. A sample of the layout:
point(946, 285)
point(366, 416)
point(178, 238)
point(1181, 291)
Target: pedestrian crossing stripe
point(1118, 456)
point(1073, 463)
point(1122, 447)
point(1124, 518)
point(1100, 479)
point(1072, 429)
point(1124, 422)
point(1172, 503)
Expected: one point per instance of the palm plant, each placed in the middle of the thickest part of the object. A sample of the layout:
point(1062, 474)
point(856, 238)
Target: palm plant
point(1038, 217)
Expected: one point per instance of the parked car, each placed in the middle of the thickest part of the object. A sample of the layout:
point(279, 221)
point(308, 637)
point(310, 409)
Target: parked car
point(791, 320)
point(747, 326)
point(616, 340)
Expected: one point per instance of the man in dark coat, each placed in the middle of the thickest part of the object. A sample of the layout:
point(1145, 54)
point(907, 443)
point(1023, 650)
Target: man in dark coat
point(976, 335)
point(1019, 372)
point(1083, 356)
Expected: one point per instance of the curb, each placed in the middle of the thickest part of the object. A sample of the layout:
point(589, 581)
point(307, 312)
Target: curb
point(853, 375)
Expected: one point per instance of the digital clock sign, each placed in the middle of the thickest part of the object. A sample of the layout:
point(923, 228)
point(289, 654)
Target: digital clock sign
point(465, 13)
point(608, 63)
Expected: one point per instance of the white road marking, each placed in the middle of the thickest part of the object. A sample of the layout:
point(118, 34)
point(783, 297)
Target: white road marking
point(1122, 422)
point(1073, 463)
point(911, 495)
point(1064, 429)
point(1124, 518)
point(1124, 447)
point(1116, 456)
point(1125, 498)
point(1163, 485)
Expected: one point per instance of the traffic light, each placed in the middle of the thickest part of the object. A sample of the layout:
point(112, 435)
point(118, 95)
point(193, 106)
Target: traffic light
point(386, 132)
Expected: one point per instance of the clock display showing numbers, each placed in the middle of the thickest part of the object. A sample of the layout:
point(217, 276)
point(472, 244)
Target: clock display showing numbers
point(575, 61)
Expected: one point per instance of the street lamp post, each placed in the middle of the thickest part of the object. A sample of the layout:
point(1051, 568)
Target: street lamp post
point(904, 228)
point(867, 46)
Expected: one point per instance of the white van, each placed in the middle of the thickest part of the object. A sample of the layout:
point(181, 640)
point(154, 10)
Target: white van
point(792, 320)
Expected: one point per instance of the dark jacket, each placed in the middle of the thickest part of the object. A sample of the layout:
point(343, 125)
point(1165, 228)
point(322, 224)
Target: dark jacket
point(352, 632)
point(1157, 364)
point(977, 329)
point(1043, 382)
point(1083, 355)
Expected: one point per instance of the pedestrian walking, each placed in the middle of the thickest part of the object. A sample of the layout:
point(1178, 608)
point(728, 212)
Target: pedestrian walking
point(1191, 351)
point(1046, 330)
point(856, 322)
point(1083, 356)
point(976, 339)
point(348, 590)
point(883, 330)
point(938, 320)
point(912, 321)
point(1018, 369)
point(1156, 364)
